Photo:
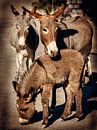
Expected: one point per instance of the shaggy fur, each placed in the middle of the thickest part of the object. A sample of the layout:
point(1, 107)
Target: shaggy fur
point(44, 74)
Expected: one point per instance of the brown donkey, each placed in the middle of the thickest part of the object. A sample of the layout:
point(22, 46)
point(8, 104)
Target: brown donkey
point(48, 30)
point(44, 74)
point(77, 34)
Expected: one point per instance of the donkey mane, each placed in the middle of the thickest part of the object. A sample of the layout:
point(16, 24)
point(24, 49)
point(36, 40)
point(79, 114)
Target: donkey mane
point(26, 79)
point(27, 74)
point(29, 77)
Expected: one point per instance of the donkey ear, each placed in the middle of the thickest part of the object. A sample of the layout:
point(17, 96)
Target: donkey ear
point(59, 12)
point(24, 13)
point(14, 11)
point(32, 13)
point(15, 85)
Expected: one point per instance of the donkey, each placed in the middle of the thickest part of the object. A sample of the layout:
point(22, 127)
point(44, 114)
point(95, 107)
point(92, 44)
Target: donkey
point(24, 39)
point(44, 74)
point(76, 35)
point(65, 34)
point(48, 29)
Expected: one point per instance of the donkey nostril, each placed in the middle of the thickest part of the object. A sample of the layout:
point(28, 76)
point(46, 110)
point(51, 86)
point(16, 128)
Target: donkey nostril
point(23, 109)
point(51, 52)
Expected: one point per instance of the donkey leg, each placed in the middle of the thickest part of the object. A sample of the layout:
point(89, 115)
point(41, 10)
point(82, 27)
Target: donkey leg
point(89, 67)
point(78, 99)
point(19, 63)
point(87, 71)
point(69, 102)
point(28, 63)
point(30, 59)
point(17, 67)
point(45, 104)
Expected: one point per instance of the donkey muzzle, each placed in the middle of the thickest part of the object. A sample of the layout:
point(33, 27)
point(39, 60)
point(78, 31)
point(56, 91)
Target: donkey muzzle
point(52, 49)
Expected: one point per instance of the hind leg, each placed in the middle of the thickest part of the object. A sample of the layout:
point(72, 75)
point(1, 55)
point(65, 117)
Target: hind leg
point(69, 102)
point(78, 98)
point(89, 67)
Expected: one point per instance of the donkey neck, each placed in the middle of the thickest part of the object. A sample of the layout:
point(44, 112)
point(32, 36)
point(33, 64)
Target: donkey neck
point(34, 78)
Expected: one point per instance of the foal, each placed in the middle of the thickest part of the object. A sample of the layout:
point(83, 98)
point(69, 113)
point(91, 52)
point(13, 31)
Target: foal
point(44, 74)
point(24, 39)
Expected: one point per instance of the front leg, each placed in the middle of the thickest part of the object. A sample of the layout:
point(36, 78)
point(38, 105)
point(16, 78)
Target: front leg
point(45, 103)
point(19, 62)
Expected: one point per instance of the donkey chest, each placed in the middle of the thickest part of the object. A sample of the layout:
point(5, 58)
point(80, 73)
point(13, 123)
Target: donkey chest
point(60, 74)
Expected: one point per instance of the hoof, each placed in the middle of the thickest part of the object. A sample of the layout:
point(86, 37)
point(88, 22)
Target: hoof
point(23, 121)
point(44, 126)
point(63, 118)
point(67, 116)
point(79, 117)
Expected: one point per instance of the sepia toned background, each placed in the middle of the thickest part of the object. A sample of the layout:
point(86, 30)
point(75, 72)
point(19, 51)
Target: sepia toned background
point(8, 112)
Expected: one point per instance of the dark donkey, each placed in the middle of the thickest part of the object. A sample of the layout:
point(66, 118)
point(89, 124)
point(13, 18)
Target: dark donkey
point(76, 33)
point(44, 74)
point(24, 39)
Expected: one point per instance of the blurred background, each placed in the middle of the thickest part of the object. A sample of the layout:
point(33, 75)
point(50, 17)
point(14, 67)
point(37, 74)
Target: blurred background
point(89, 6)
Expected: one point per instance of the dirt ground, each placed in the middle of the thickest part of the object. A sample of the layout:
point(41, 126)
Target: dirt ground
point(8, 112)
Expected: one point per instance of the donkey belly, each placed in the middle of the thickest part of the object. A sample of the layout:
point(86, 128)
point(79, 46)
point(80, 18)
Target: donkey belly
point(61, 80)
point(61, 77)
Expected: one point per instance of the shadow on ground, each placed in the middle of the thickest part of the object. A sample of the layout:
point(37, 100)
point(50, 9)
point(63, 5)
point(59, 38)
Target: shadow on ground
point(89, 103)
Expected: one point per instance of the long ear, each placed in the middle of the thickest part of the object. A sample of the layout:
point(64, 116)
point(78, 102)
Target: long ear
point(36, 15)
point(47, 11)
point(15, 85)
point(59, 12)
point(24, 13)
point(15, 12)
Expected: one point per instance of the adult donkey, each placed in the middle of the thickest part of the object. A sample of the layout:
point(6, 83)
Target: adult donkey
point(76, 35)
point(24, 39)
point(48, 30)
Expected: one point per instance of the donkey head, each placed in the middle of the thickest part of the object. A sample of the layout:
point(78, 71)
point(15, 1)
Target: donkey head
point(25, 102)
point(48, 30)
point(22, 25)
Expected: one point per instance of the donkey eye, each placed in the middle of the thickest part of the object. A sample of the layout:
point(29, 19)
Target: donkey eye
point(45, 30)
point(18, 27)
point(27, 28)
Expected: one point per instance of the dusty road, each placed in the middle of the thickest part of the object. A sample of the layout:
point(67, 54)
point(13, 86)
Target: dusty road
point(8, 112)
